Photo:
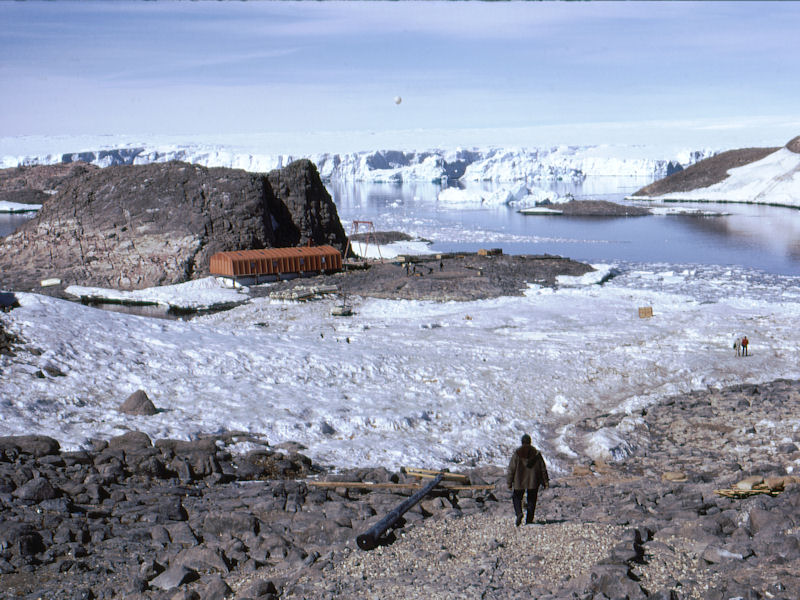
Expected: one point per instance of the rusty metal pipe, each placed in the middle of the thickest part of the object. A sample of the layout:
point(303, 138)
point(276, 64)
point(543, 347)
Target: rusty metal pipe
point(369, 539)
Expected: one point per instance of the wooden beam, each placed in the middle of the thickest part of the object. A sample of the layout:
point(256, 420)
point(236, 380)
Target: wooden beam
point(393, 486)
point(365, 484)
point(431, 474)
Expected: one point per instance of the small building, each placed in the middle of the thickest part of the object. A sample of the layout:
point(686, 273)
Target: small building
point(276, 262)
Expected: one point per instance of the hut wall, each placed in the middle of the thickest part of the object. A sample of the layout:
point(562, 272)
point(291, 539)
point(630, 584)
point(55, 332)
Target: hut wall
point(276, 261)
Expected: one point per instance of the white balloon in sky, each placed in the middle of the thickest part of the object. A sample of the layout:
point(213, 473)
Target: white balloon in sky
point(397, 99)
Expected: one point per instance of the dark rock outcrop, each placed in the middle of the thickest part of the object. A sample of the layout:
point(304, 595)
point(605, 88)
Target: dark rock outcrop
point(135, 226)
point(794, 145)
point(311, 213)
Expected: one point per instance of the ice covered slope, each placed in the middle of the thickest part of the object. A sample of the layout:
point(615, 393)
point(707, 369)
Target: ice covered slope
point(775, 179)
point(569, 163)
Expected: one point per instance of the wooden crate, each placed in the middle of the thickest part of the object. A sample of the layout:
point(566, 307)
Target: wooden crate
point(645, 312)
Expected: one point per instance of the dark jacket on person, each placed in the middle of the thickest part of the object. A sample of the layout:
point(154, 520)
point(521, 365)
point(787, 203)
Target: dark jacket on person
point(527, 470)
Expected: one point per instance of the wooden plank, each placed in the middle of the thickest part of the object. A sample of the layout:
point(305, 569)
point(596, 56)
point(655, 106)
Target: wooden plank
point(365, 484)
point(393, 486)
point(734, 493)
point(485, 486)
point(432, 473)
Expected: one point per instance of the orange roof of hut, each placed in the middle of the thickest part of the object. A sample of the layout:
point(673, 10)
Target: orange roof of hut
point(275, 261)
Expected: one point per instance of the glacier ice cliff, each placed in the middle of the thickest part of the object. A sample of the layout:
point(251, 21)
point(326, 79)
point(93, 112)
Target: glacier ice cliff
point(558, 163)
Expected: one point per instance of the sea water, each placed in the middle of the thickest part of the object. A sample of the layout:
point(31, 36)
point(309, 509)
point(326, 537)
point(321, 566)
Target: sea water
point(10, 222)
point(762, 238)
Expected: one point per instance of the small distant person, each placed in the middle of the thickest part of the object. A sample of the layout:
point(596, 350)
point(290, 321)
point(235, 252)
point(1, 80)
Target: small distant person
point(526, 472)
point(406, 269)
point(737, 345)
point(441, 265)
point(745, 344)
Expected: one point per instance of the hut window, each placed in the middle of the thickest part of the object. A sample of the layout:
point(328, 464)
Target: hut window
point(323, 260)
point(302, 261)
point(252, 265)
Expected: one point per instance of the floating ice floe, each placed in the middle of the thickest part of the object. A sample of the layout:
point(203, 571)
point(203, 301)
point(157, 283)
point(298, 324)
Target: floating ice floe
point(16, 207)
point(516, 195)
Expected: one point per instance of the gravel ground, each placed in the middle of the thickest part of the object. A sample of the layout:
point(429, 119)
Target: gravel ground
point(475, 556)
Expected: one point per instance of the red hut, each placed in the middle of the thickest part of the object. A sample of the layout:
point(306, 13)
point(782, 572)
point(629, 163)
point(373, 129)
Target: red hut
point(276, 261)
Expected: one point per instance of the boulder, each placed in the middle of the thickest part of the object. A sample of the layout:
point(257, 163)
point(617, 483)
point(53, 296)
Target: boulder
point(216, 589)
point(138, 404)
point(36, 490)
point(130, 442)
point(202, 558)
point(36, 445)
point(173, 577)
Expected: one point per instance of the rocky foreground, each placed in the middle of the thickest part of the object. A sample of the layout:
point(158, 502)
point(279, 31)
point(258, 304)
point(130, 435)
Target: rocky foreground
point(229, 516)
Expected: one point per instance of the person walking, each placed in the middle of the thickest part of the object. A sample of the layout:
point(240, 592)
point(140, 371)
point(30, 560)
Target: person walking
point(745, 343)
point(526, 473)
point(737, 345)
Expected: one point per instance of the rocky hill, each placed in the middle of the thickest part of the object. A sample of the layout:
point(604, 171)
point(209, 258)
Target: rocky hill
point(135, 226)
point(704, 173)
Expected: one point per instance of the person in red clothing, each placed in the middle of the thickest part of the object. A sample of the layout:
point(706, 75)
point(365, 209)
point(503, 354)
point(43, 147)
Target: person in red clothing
point(745, 343)
point(526, 471)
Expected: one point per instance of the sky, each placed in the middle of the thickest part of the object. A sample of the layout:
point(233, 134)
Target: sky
point(602, 70)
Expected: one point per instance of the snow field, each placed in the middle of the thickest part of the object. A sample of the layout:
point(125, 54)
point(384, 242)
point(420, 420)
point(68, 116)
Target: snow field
point(775, 179)
point(401, 382)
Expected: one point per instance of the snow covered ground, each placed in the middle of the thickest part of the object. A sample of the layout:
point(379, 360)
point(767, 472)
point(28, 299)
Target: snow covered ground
point(775, 179)
point(402, 382)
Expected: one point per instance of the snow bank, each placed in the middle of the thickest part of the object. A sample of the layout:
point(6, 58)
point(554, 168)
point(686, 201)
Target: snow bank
point(775, 179)
point(199, 294)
